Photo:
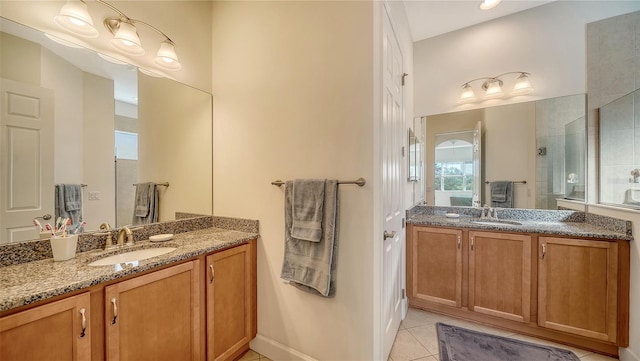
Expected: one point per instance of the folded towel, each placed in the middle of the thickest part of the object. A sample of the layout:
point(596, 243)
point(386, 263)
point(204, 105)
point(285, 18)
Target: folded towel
point(502, 194)
point(147, 203)
point(308, 200)
point(68, 205)
point(72, 197)
point(144, 191)
point(310, 266)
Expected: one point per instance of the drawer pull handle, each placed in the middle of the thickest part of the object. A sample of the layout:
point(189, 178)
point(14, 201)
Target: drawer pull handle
point(212, 273)
point(473, 242)
point(544, 250)
point(115, 311)
point(459, 242)
point(84, 322)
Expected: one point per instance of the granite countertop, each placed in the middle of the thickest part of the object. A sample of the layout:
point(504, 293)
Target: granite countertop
point(553, 222)
point(26, 283)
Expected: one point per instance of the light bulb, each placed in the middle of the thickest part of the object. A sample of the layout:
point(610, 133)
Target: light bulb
point(467, 94)
point(489, 4)
point(126, 39)
point(493, 88)
point(523, 85)
point(166, 57)
point(74, 17)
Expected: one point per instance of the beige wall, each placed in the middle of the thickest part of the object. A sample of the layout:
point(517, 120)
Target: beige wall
point(187, 23)
point(174, 144)
point(293, 99)
point(614, 71)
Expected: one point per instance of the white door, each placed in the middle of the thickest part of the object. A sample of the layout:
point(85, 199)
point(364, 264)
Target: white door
point(26, 159)
point(393, 210)
point(477, 166)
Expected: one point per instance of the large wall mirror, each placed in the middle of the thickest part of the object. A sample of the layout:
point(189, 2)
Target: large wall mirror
point(69, 117)
point(538, 145)
point(620, 151)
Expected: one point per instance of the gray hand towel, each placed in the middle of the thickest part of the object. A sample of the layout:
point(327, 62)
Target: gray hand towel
point(502, 194)
point(308, 201)
point(72, 197)
point(68, 206)
point(310, 266)
point(147, 203)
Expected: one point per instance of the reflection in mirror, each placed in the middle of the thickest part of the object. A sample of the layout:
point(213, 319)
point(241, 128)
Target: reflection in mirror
point(540, 142)
point(66, 112)
point(416, 159)
point(453, 182)
point(620, 151)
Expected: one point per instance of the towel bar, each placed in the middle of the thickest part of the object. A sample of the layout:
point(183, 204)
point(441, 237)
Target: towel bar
point(165, 184)
point(523, 182)
point(360, 182)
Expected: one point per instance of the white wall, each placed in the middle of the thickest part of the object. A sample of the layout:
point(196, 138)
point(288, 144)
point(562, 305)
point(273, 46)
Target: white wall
point(548, 41)
point(98, 171)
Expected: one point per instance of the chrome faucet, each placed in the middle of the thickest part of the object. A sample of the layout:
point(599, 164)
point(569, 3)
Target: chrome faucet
point(121, 234)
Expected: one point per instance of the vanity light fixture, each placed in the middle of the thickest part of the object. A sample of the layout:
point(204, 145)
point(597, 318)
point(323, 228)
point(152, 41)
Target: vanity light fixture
point(75, 18)
point(62, 41)
point(489, 4)
point(492, 87)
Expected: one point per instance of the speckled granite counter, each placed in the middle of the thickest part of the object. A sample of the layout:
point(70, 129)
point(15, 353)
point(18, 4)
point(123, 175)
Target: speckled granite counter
point(26, 283)
point(551, 222)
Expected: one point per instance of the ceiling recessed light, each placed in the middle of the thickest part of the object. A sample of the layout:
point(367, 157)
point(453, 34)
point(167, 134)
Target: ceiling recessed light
point(489, 4)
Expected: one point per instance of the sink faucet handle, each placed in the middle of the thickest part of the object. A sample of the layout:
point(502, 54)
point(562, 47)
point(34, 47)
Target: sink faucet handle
point(109, 242)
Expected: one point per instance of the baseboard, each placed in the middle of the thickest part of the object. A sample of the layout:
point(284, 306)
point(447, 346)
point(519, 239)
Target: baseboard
point(277, 351)
point(627, 355)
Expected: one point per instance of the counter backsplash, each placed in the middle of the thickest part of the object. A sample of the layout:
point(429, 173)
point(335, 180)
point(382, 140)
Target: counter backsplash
point(11, 254)
point(541, 215)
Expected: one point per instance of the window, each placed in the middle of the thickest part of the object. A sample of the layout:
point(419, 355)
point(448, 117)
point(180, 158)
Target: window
point(454, 176)
point(126, 145)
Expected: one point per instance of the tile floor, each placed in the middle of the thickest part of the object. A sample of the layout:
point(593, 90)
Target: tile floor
point(253, 356)
point(417, 339)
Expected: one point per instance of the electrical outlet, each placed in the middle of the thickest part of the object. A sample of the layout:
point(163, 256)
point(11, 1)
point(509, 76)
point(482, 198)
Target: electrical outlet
point(94, 196)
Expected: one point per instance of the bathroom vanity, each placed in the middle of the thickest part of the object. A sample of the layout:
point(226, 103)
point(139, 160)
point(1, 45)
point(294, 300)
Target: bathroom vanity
point(197, 302)
point(557, 275)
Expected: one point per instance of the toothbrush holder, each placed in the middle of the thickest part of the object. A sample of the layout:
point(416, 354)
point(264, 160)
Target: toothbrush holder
point(64, 248)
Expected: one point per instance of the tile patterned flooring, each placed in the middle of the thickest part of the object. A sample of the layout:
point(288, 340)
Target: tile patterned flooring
point(417, 339)
point(253, 356)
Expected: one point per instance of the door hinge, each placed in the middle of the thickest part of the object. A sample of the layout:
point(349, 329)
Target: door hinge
point(404, 222)
point(404, 294)
point(404, 75)
point(402, 151)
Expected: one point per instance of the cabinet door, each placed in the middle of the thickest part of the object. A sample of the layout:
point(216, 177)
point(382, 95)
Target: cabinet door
point(229, 302)
point(500, 275)
point(155, 316)
point(577, 286)
point(55, 331)
point(435, 272)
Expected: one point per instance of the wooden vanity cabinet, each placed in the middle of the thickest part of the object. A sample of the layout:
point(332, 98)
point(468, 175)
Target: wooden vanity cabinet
point(500, 275)
point(573, 291)
point(230, 305)
point(55, 331)
point(435, 271)
point(155, 316)
point(577, 287)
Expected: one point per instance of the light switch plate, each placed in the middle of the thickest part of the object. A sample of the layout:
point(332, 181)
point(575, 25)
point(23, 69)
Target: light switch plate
point(94, 196)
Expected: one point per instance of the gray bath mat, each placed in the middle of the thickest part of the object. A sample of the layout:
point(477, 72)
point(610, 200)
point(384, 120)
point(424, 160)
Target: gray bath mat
point(461, 344)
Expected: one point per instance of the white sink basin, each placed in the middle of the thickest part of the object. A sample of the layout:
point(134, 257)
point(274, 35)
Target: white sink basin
point(132, 256)
point(498, 223)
